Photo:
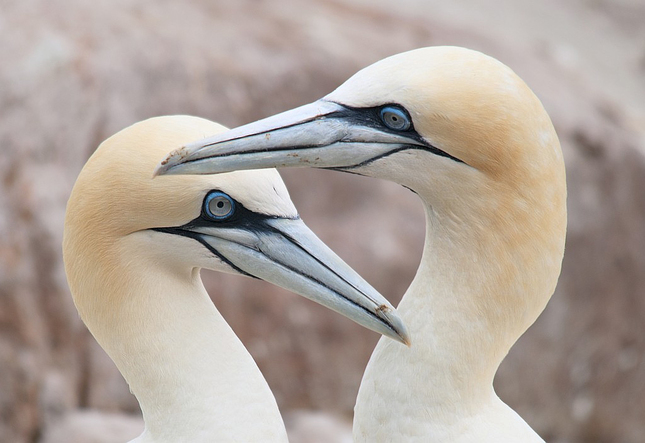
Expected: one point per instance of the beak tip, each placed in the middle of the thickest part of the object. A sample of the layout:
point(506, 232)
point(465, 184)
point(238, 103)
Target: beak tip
point(171, 161)
point(163, 167)
point(404, 337)
point(400, 332)
point(159, 170)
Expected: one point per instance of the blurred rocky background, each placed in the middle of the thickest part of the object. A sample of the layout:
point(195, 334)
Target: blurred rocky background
point(74, 72)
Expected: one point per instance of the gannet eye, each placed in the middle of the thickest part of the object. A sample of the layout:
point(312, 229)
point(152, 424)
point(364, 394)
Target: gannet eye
point(218, 205)
point(395, 118)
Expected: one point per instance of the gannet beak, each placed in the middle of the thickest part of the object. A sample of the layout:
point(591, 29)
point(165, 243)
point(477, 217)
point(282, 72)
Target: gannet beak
point(287, 253)
point(323, 134)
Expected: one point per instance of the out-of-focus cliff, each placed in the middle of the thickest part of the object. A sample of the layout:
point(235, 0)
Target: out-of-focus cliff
point(74, 72)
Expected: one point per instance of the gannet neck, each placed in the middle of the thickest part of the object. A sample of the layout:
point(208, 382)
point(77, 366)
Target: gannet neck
point(469, 302)
point(192, 376)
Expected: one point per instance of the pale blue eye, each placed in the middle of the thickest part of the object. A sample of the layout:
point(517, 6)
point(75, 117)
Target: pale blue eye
point(395, 118)
point(218, 205)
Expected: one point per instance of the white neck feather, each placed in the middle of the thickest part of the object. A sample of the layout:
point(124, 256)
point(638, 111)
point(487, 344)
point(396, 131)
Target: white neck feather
point(464, 313)
point(194, 379)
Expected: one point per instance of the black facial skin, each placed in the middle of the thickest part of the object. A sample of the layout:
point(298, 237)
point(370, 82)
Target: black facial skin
point(371, 117)
point(240, 218)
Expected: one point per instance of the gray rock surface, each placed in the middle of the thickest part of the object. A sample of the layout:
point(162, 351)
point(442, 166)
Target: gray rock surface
point(75, 72)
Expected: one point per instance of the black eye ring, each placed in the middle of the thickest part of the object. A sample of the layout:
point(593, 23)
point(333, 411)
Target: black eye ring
point(218, 206)
point(395, 118)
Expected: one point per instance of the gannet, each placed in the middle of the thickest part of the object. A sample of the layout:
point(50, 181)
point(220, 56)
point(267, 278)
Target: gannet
point(133, 247)
point(466, 134)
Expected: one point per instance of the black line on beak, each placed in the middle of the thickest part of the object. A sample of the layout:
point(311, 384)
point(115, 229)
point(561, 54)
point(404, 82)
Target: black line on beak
point(367, 117)
point(340, 294)
point(296, 243)
point(199, 237)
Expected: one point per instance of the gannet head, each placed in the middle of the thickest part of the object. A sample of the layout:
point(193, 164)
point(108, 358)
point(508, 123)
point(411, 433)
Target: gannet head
point(457, 127)
point(424, 118)
point(242, 222)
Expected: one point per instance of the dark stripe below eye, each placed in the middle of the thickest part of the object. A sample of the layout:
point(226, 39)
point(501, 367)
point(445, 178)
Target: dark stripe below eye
point(393, 151)
point(370, 117)
point(198, 237)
